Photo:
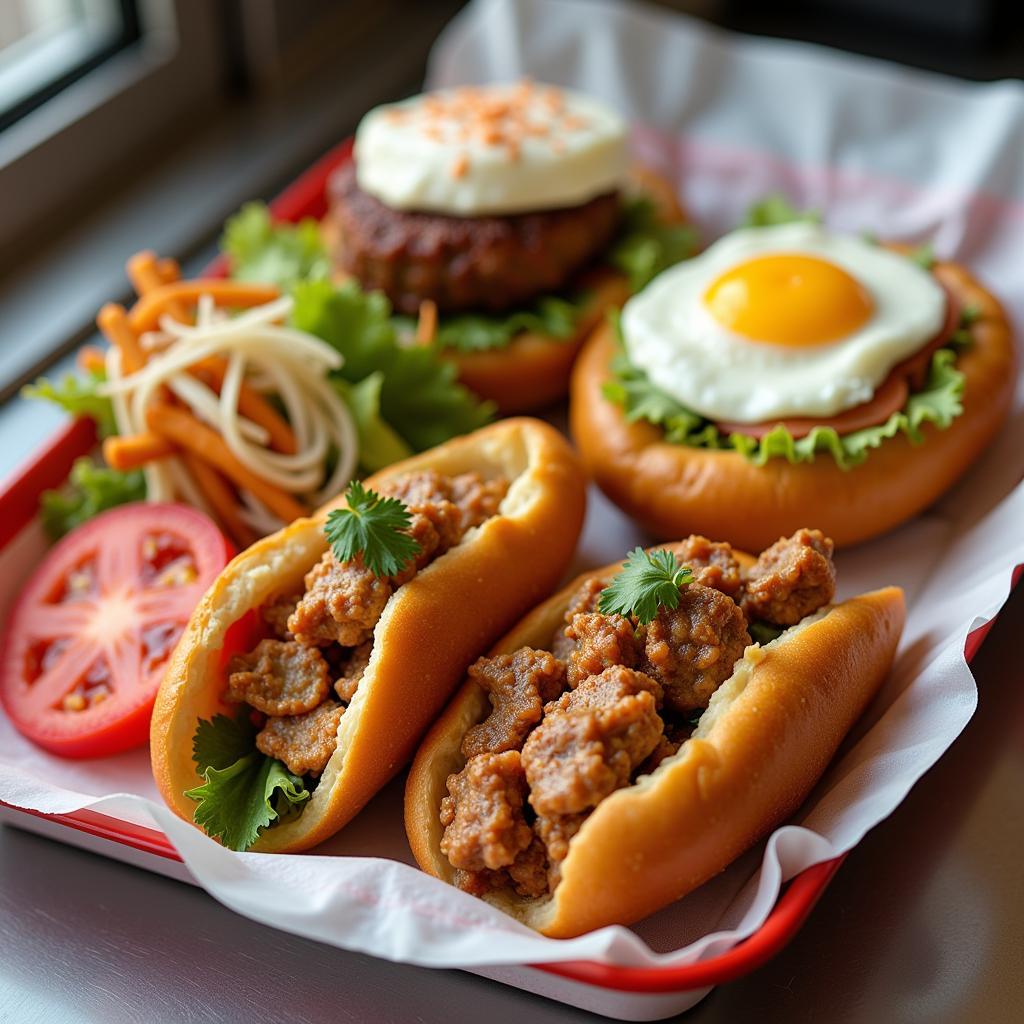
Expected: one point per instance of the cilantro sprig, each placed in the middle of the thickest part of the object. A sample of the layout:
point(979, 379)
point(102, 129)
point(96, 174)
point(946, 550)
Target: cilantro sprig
point(373, 526)
point(649, 580)
point(243, 791)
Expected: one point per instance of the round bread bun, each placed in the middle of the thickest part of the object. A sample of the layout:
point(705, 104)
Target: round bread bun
point(674, 490)
point(532, 371)
point(431, 629)
point(769, 733)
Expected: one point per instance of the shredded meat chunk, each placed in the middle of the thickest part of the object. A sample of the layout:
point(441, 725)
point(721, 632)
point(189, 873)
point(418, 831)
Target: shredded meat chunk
point(276, 615)
point(278, 677)
point(600, 641)
point(590, 741)
point(304, 742)
point(713, 564)
point(352, 671)
point(584, 600)
point(483, 820)
point(519, 685)
point(691, 649)
point(342, 603)
point(477, 498)
point(555, 834)
point(791, 579)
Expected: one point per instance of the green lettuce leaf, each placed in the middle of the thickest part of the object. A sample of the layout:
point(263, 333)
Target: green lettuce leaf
point(90, 489)
point(379, 444)
point(244, 791)
point(419, 396)
point(938, 403)
point(477, 332)
point(76, 394)
point(258, 249)
point(646, 246)
point(777, 209)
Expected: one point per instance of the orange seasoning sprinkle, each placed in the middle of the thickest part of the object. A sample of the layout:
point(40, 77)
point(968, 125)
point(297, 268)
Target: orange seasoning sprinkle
point(460, 165)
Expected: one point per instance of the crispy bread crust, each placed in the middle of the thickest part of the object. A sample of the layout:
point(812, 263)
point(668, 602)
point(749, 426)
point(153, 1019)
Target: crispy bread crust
point(431, 629)
point(768, 736)
point(673, 490)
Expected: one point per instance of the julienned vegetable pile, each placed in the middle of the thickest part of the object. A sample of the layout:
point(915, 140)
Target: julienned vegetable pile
point(252, 401)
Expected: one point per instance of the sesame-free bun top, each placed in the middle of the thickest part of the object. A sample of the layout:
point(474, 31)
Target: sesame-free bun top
point(494, 149)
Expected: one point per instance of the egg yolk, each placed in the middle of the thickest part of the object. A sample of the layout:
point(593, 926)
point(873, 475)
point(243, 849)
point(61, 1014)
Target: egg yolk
point(789, 299)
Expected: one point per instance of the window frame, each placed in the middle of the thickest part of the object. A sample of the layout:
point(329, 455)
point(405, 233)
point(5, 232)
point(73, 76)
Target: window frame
point(56, 153)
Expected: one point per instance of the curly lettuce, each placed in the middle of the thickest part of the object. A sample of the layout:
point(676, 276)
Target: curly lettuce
point(78, 396)
point(938, 403)
point(261, 249)
point(90, 490)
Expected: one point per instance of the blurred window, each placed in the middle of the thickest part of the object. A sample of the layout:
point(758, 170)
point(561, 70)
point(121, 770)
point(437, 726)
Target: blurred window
point(46, 45)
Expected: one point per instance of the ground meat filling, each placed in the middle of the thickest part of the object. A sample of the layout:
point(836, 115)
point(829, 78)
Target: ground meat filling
point(714, 564)
point(691, 649)
point(277, 613)
point(304, 743)
point(584, 600)
point(590, 741)
point(326, 631)
point(518, 685)
point(278, 678)
point(793, 578)
point(483, 819)
point(342, 603)
point(352, 671)
point(636, 692)
point(554, 835)
point(599, 641)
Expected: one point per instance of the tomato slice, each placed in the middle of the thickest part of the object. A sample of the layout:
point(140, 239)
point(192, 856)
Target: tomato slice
point(86, 644)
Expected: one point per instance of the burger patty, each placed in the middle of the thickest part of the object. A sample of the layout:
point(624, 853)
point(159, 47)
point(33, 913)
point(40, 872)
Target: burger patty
point(487, 264)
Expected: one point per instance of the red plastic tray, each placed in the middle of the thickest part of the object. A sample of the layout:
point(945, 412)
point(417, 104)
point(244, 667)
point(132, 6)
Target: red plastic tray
point(50, 466)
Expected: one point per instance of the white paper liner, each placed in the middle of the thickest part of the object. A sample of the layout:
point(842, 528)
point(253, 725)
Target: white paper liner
point(906, 155)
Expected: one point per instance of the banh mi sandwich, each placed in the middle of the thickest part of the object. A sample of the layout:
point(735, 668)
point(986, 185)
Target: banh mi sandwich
point(797, 372)
point(507, 220)
point(312, 666)
point(639, 730)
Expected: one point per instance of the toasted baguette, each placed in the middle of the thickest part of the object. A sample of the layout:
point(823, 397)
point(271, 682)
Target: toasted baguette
point(767, 737)
point(431, 629)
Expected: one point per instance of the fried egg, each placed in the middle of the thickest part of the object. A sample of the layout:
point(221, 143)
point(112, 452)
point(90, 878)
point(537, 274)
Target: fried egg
point(791, 320)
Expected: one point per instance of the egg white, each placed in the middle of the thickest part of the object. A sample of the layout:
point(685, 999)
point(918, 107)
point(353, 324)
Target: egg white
point(671, 334)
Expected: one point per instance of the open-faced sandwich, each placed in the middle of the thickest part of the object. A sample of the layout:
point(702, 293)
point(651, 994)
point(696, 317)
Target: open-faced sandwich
point(791, 373)
point(638, 731)
point(507, 220)
point(314, 663)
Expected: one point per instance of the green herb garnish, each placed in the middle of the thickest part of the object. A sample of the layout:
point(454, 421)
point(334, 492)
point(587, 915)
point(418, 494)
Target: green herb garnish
point(373, 526)
point(649, 580)
point(244, 791)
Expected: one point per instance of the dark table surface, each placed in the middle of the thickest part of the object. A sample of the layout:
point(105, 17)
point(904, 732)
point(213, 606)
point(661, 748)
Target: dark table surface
point(923, 923)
